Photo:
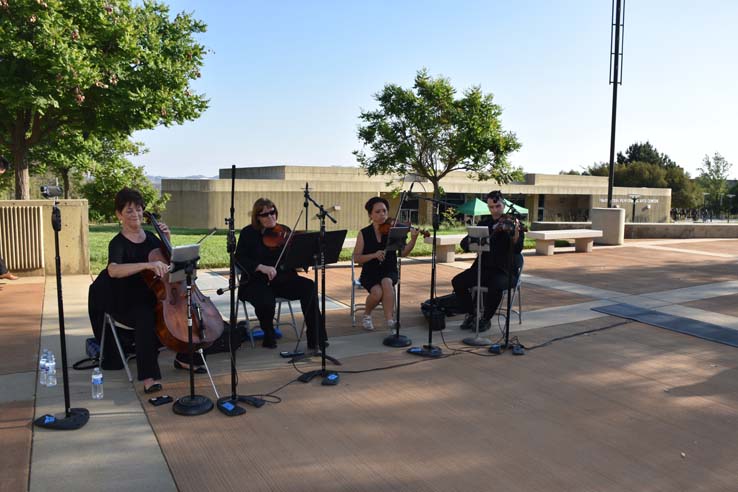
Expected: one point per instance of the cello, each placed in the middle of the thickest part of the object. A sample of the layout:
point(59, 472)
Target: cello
point(171, 305)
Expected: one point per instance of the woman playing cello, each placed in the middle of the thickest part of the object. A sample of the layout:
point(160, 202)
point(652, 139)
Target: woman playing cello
point(379, 268)
point(128, 257)
point(259, 247)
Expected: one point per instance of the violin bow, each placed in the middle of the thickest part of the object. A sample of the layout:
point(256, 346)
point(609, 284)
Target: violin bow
point(289, 238)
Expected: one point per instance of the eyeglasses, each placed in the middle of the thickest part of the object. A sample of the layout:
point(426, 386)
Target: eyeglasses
point(267, 214)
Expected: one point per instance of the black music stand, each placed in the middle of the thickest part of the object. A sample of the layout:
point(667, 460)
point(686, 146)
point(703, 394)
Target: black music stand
point(396, 241)
point(305, 251)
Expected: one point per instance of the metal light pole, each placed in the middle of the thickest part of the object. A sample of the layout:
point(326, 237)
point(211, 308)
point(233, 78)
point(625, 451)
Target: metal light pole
point(730, 205)
point(616, 78)
point(634, 197)
point(704, 207)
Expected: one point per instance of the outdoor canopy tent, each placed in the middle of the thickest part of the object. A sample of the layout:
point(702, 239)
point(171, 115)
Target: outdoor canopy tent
point(476, 207)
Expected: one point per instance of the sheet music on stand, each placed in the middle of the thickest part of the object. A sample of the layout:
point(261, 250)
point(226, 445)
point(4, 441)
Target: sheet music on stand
point(478, 238)
point(303, 246)
point(180, 256)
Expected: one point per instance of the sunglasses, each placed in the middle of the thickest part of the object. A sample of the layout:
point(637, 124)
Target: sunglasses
point(267, 214)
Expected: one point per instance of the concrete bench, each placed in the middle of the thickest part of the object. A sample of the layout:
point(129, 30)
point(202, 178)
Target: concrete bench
point(446, 246)
point(583, 239)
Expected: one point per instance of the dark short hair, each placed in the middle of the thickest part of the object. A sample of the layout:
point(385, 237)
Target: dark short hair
point(4, 164)
point(259, 205)
point(369, 205)
point(495, 195)
point(126, 196)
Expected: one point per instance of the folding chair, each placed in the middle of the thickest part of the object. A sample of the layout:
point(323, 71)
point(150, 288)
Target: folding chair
point(355, 284)
point(109, 321)
point(277, 318)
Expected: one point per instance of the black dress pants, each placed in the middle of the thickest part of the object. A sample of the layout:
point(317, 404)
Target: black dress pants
point(290, 285)
point(494, 279)
point(143, 319)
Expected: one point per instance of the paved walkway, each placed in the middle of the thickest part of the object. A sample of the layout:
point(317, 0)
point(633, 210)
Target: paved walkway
point(119, 450)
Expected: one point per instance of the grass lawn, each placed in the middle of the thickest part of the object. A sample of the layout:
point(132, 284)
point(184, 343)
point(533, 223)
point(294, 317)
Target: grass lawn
point(213, 252)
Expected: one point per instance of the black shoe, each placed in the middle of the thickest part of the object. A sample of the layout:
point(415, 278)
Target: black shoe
point(484, 324)
point(269, 343)
point(468, 323)
point(153, 388)
point(196, 370)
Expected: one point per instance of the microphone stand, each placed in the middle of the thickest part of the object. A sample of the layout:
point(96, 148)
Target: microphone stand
point(430, 350)
point(229, 404)
point(330, 378)
point(74, 418)
point(191, 404)
point(510, 266)
point(396, 340)
point(306, 204)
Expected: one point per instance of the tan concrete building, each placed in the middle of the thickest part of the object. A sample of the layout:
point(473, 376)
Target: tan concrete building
point(206, 203)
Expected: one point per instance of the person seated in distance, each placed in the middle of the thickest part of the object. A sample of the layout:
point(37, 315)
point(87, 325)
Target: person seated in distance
point(4, 273)
point(503, 231)
point(378, 267)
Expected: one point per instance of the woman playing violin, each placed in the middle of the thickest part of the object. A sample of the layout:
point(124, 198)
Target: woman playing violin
point(495, 264)
point(128, 256)
point(379, 268)
point(259, 247)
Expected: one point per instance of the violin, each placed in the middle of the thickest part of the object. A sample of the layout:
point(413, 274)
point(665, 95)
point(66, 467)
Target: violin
point(276, 237)
point(384, 229)
point(506, 224)
point(171, 305)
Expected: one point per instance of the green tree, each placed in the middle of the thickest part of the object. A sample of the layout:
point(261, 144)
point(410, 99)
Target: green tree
point(644, 152)
point(714, 178)
point(428, 131)
point(103, 68)
point(108, 178)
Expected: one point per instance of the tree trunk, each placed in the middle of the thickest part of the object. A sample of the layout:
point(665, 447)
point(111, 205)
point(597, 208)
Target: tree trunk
point(22, 176)
point(65, 180)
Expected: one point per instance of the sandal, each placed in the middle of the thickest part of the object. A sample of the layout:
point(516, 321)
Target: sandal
point(153, 388)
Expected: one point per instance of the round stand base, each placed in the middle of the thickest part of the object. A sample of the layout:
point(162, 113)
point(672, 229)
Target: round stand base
point(397, 341)
point(192, 405)
point(76, 419)
point(477, 341)
point(229, 406)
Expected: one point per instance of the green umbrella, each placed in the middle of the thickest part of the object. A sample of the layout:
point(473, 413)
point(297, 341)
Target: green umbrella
point(474, 207)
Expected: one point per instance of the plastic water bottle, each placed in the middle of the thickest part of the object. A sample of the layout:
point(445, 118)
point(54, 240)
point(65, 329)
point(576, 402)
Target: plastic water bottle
point(97, 384)
point(51, 371)
point(43, 361)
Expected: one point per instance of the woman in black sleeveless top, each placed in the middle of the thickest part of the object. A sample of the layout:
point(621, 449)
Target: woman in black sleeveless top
point(379, 268)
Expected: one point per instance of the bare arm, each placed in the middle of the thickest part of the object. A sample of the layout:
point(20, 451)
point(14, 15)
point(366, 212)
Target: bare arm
point(124, 270)
point(362, 258)
point(409, 246)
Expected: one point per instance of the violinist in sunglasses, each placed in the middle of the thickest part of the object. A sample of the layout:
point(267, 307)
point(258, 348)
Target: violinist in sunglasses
point(259, 247)
point(495, 264)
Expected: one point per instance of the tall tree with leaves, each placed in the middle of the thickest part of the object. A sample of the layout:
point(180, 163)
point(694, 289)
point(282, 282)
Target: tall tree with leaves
point(102, 67)
point(714, 177)
point(428, 131)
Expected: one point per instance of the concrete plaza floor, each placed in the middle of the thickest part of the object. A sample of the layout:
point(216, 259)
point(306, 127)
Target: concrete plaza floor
point(628, 407)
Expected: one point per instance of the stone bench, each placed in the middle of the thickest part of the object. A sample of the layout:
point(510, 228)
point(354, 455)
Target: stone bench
point(583, 239)
point(446, 246)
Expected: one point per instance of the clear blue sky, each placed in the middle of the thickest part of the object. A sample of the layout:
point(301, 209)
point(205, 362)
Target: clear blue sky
point(286, 80)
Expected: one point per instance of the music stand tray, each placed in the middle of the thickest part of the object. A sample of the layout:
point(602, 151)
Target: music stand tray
point(397, 238)
point(182, 255)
